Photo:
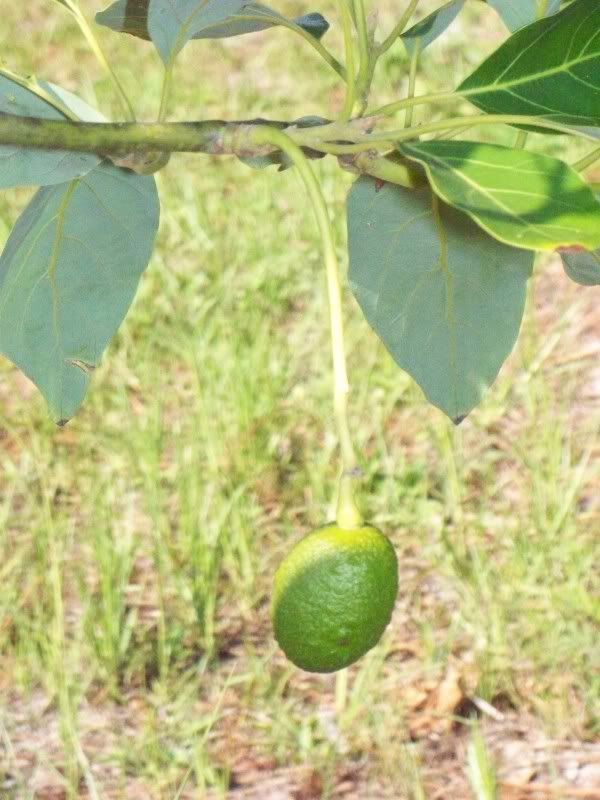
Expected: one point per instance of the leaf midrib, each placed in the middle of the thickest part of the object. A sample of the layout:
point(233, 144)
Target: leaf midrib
point(461, 176)
point(58, 240)
point(494, 87)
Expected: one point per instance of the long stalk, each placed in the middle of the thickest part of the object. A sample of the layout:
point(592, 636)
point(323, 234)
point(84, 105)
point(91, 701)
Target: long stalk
point(520, 140)
point(166, 92)
point(379, 50)
point(317, 139)
point(587, 161)
point(364, 52)
point(316, 44)
point(398, 28)
point(481, 119)
point(412, 80)
point(408, 102)
point(348, 515)
point(100, 55)
point(349, 54)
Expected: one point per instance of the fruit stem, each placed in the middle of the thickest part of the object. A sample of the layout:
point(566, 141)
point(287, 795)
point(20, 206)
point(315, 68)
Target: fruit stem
point(348, 515)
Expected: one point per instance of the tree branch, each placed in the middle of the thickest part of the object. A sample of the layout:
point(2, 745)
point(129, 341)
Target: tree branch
point(124, 141)
point(214, 137)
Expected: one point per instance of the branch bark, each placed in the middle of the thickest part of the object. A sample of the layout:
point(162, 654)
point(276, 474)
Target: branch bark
point(126, 143)
point(214, 137)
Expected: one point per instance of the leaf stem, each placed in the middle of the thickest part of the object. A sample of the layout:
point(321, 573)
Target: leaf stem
point(166, 91)
point(364, 54)
point(412, 80)
point(587, 161)
point(521, 140)
point(347, 29)
point(420, 100)
point(348, 514)
point(388, 169)
point(310, 136)
point(318, 46)
point(32, 86)
point(398, 28)
point(100, 55)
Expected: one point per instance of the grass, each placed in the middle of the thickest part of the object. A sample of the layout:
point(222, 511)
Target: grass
point(137, 545)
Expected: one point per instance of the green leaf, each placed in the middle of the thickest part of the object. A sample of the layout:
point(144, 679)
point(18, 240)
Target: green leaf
point(518, 13)
point(16, 98)
point(549, 69)
point(23, 167)
point(131, 16)
point(583, 268)
point(524, 199)
point(126, 16)
point(79, 108)
point(68, 274)
point(172, 23)
point(29, 97)
point(445, 299)
point(257, 17)
point(429, 29)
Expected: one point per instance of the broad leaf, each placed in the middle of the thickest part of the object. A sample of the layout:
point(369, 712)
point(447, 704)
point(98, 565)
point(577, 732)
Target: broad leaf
point(583, 268)
point(16, 98)
point(78, 107)
point(518, 13)
point(68, 274)
point(549, 69)
point(429, 29)
point(126, 16)
point(172, 23)
point(131, 16)
point(445, 298)
point(23, 167)
point(524, 199)
point(256, 17)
